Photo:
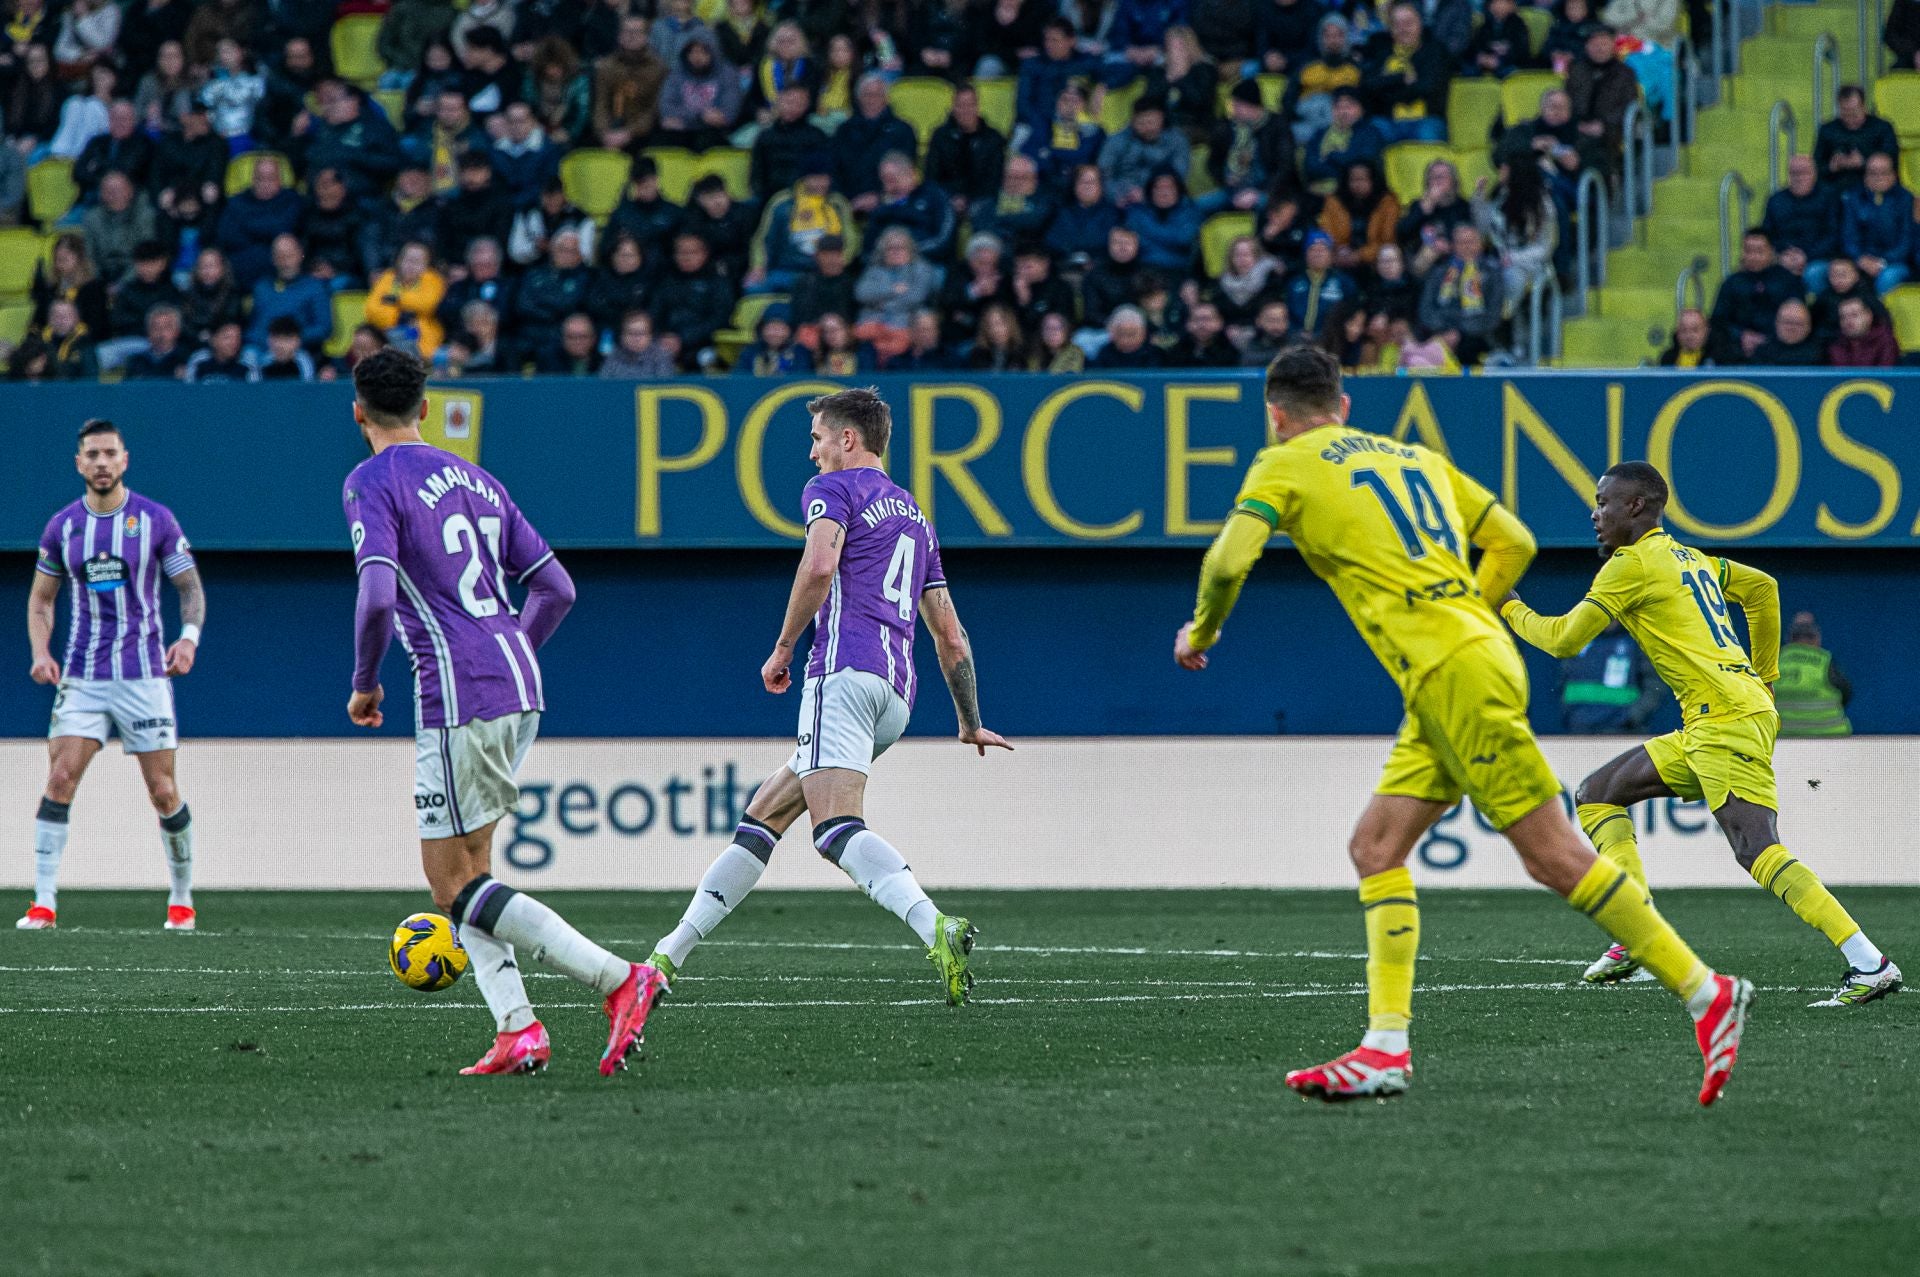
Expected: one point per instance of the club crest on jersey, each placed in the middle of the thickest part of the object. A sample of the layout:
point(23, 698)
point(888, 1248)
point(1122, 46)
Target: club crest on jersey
point(133, 525)
point(106, 572)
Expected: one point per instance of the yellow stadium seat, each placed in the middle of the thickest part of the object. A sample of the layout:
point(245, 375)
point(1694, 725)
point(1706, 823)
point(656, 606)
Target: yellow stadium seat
point(1910, 167)
point(677, 168)
point(1896, 98)
point(744, 329)
point(1116, 110)
point(1272, 89)
point(354, 57)
point(996, 101)
point(20, 250)
point(1472, 107)
point(50, 190)
point(349, 312)
point(1539, 20)
point(1520, 93)
point(923, 102)
point(1407, 167)
point(1473, 163)
point(1217, 236)
point(595, 179)
point(240, 170)
point(1904, 303)
point(394, 103)
point(734, 166)
point(13, 323)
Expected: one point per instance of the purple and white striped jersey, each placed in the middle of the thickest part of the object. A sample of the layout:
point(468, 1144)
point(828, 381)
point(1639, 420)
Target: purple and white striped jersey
point(114, 562)
point(452, 537)
point(891, 555)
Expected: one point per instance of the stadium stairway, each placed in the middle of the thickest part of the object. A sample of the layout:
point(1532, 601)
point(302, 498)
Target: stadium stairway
point(1628, 321)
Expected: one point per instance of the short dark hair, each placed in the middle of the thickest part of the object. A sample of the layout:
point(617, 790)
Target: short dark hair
point(96, 426)
point(1850, 91)
point(389, 384)
point(1304, 380)
point(284, 326)
point(861, 410)
point(1652, 484)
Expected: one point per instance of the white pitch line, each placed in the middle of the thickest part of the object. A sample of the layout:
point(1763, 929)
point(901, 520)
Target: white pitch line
point(374, 973)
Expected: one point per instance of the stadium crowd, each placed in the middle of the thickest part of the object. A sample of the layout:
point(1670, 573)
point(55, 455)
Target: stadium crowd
point(1050, 246)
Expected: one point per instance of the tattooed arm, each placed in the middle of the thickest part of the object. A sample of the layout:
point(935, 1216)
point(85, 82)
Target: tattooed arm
point(193, 614)
point(818, 562)
point(956, 662)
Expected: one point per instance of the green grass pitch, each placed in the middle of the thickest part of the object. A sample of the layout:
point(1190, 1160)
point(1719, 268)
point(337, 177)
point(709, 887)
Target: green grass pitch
point(265, 1097)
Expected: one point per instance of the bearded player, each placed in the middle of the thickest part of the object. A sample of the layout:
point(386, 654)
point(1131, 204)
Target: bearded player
point(114, 546)
point(1390, 527)
point(871, 562)
point(435, 539)
point(1673, 600)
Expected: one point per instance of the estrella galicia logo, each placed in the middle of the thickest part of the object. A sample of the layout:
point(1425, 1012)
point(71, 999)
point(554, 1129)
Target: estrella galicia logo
point(106, 572)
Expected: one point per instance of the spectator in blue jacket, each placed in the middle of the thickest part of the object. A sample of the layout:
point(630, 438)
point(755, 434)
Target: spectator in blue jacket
point(920, 208)
point(1081, 225)
point(1019, 212)
point(1064, 142)
point(1167, 223)
point(868, 136)
point(1315, 292)
point(1352, 138)
point(293, 293)
point(253, 219)
point(523, 157)
point(1042, 78)
point(1803, 223)
point(350, 136)
point(1877, 229)
point(1137, 38)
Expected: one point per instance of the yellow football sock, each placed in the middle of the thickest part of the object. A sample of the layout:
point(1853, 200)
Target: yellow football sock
point(1623, 910)
point(1801, 890)
point(1393, 941)
point(1610, 830)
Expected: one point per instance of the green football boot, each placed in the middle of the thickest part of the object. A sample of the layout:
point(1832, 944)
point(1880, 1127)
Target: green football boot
point(664, 965)
point(952, 947)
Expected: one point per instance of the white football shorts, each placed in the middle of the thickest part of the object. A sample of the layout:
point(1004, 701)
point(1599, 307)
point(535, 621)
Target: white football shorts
point(847, 719)
point(139, 709)
point(465, 777)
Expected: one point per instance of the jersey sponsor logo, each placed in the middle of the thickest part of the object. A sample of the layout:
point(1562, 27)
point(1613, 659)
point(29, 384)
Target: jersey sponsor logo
point(105, 572)
point(424, 802)
point(359, 534)
point(815, 509)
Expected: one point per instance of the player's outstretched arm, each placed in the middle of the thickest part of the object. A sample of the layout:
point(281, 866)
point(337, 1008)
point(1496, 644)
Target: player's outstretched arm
point(193, 614)
point(1231, 556)
point(40, 600)
point(819, 560)
point(550, 596)
point(1560, 636)
point(1759, 597)
point(956, 663)
point(1506, 548)
point(372, 631)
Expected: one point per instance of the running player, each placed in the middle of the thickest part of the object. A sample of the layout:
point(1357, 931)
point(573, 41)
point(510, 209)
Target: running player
point(1388, 526)
point(870, 561)
point(434, 540)
point(114, 545)
point(1673, 600)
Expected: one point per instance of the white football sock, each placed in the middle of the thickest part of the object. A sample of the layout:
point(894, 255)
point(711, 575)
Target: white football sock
point(882, 873)
point(532, 928)
point(498, 975)
point(179, 845)
point(1392, 1041)
point(49, 844)
point(1861, 953)
point(726, 883)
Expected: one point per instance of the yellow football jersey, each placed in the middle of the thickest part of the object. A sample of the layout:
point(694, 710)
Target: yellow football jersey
point(1389, 526)
point(1673, 600)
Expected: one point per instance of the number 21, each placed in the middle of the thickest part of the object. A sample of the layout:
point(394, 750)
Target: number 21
point(458, 536)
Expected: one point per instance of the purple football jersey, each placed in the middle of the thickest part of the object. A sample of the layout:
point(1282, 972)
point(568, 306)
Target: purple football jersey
point(115, 562)
point(890, 556)
point(453, 537)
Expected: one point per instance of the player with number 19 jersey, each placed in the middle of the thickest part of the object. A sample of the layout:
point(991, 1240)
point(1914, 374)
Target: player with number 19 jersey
point(454, 538)
point(891, 558)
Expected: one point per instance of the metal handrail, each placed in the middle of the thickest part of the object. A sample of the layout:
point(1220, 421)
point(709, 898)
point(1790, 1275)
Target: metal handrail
point(1826, 56)
point(1544, 338)
point(1686, 123)
point(1873, 53)
point(1730, 186)
point(1637, 162)
point(1593, 223)
point(1780, 124)
point(1691, 280)
point(1726, 40)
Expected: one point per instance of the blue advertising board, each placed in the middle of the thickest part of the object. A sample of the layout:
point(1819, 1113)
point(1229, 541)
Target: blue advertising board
point(1018, 461)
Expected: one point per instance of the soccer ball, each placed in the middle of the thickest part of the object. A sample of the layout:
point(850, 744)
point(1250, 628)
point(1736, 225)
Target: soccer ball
point(426, 953)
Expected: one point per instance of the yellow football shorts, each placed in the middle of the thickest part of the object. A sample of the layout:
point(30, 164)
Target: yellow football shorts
point(1466, 732)
point(1718, 761)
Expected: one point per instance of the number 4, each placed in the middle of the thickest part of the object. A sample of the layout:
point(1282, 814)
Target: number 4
point(897, 588)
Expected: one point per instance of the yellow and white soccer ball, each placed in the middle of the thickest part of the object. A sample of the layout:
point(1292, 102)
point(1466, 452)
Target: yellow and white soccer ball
point(426, 953)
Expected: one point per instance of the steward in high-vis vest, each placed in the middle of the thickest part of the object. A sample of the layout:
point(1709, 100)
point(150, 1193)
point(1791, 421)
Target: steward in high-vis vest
point(1610, 686)
point(1812, 693)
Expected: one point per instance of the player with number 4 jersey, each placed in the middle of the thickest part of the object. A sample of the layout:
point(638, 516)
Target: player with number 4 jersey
point(1391, 527)
point(1673, 600)
point(436, 542)
point(870, 567)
